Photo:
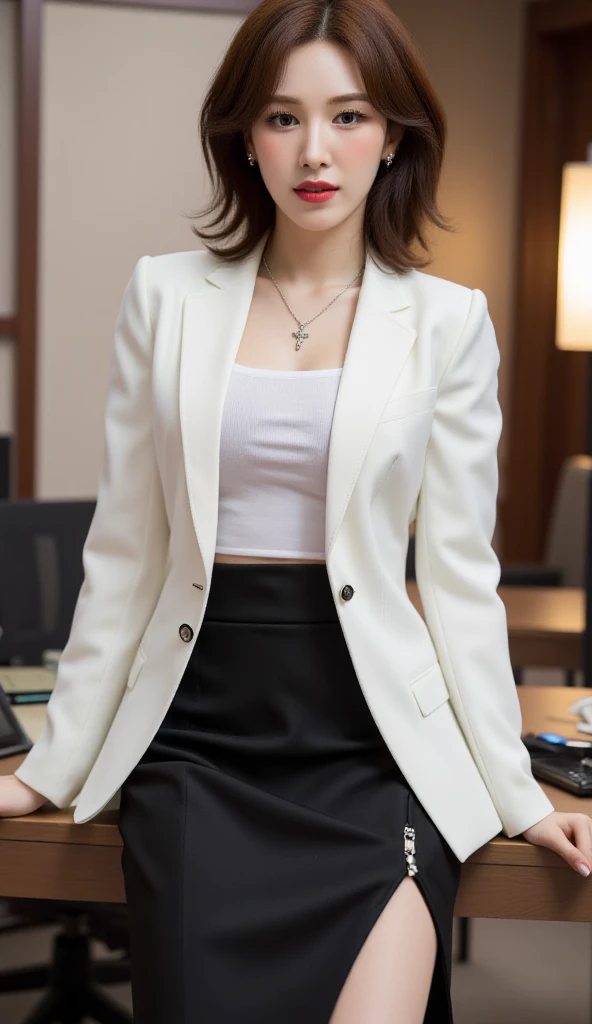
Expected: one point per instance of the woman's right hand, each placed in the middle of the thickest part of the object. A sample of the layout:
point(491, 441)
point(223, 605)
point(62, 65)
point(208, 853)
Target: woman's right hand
point(16, 798)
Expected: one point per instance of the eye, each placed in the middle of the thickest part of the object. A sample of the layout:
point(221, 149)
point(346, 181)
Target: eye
point(278, 113)
point(358, 113)
point(286, 113)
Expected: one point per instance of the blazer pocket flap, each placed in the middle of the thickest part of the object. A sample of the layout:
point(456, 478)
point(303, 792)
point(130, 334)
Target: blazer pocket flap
point(137, 665)
point(405, 405)
point(430, 690)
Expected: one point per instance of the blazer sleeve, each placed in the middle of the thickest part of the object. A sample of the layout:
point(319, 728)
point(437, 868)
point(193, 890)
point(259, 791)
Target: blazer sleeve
point(458, 572)
point(124, 560)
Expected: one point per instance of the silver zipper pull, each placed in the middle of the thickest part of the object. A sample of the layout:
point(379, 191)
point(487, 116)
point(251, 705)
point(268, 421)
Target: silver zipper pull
point(409, 834)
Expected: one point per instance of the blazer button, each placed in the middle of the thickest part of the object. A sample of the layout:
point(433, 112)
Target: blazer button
point(347, 592)
point(186, 632)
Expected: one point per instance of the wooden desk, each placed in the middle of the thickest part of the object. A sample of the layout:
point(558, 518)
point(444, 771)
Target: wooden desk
point(545, 624)
point(46, 855)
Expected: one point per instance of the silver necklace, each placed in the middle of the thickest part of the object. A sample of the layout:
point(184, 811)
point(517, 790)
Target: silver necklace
point(299, 334)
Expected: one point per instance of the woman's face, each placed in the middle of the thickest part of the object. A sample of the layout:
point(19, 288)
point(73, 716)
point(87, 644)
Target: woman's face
point(315, 136)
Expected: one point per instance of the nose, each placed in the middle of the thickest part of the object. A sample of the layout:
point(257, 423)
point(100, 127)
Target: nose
point(315, 151)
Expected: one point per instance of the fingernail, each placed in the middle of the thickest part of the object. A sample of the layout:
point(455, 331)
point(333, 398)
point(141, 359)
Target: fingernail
point(584, 869)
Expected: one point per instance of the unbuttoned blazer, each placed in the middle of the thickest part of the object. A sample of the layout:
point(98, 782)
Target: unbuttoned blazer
point(414, 437)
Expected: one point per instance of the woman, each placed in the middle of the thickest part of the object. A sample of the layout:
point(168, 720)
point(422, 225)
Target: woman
point(294, 826)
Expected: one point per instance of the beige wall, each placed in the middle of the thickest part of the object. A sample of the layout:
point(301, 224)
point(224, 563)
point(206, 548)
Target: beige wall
point(120, 162)
point(121, 90)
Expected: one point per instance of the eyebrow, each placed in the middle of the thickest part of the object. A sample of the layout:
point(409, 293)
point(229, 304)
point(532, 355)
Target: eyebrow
point(346, 98)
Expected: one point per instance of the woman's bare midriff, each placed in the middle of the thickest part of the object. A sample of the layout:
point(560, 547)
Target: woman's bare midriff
point(249, 558)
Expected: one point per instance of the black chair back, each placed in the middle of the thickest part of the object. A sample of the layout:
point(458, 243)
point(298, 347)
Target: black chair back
point(41, 573)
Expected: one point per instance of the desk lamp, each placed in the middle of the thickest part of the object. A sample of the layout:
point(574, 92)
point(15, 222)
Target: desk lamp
point(574, 322)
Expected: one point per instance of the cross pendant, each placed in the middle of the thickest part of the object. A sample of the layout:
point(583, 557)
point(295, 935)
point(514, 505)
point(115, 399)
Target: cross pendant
point(299, 335)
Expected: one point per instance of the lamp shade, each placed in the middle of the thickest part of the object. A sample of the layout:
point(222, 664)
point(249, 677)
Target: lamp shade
point(574, 282)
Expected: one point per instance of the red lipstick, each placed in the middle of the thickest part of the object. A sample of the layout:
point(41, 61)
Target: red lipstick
point(315, 191)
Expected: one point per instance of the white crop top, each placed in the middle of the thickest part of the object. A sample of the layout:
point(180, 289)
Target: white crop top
point(274, 449)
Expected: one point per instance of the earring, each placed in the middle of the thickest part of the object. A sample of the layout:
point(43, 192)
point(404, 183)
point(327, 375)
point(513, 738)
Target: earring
point(389, 159)
point(251, 159)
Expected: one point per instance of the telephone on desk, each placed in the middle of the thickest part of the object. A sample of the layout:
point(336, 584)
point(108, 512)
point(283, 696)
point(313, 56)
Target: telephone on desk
point(562, 762)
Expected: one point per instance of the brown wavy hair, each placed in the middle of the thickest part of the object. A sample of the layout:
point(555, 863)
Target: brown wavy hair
point(402, 198)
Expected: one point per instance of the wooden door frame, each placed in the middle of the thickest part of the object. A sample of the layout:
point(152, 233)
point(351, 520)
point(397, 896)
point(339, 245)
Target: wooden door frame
point(531, 468)
point(21, 327)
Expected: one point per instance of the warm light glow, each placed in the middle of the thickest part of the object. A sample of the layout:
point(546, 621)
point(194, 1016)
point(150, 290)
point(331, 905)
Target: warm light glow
point(574, 282)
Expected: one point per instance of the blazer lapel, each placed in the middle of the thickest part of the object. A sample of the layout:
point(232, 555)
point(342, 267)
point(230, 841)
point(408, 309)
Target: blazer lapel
point(214, 320)
point(378, 346)
point(213, 323)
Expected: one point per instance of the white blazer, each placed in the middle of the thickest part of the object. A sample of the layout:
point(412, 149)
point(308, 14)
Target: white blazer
point(414, 435)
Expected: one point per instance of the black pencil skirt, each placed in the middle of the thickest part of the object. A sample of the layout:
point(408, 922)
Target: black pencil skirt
point(263, 828)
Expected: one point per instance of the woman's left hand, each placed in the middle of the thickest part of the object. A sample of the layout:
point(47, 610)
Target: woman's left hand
point(569, 834)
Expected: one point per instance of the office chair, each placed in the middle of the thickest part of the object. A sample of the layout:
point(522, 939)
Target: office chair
point(41, 573)
point(564, 558)
point(565, 543)
point(6, 447)
point(71, 976)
